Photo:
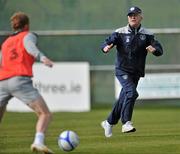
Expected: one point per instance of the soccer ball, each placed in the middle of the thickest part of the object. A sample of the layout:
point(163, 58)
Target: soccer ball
point(68, 140)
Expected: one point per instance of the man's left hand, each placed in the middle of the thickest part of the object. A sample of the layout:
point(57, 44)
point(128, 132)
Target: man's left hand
point(151, 49)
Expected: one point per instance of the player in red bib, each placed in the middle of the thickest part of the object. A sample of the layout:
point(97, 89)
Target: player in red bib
point(18, 54)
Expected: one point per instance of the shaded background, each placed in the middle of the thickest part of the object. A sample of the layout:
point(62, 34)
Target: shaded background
point(90, 14)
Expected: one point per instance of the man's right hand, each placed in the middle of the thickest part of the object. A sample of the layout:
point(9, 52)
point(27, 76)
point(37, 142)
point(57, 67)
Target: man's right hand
point(107, 48)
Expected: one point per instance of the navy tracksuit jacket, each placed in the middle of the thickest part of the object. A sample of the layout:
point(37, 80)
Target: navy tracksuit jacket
point(129, 66)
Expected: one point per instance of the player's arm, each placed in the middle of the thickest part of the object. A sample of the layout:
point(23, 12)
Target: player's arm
point(30, 41)
point(109, 42)
point(154, 47)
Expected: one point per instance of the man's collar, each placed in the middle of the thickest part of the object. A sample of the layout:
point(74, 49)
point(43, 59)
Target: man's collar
point(132, 29)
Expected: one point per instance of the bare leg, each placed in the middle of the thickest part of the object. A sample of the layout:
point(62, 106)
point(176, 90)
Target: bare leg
point(44, 117)
point(43, 113)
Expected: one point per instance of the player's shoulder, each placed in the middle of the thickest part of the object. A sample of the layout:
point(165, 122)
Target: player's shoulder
point(122, 30)
point(145, 31)
point(31, 35)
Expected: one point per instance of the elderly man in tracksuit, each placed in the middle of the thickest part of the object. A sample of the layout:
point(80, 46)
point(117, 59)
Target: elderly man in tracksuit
point(132, 42)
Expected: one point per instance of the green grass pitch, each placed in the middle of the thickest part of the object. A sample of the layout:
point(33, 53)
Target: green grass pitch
point(158, 132)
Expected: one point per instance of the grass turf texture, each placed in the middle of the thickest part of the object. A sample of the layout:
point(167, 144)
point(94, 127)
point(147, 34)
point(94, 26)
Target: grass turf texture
point(158, 132)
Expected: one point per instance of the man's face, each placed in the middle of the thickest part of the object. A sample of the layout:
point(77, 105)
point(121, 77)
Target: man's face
point(134, 20)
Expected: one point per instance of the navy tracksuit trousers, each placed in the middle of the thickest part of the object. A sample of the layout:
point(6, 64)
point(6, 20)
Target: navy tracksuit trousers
point(123, 107)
